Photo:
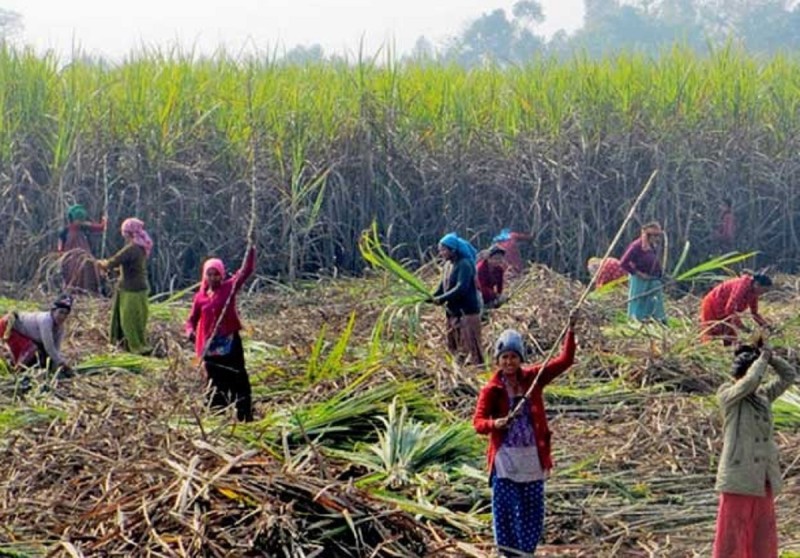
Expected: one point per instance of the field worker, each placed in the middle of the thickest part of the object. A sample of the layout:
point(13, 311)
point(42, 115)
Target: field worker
point(719, 310)
point(458, 292)
point(130, 306)
point(221, 347)
point(491, 269)
point(611, 270)
point(34, 338)
point(509, 241)
point(748, 476)
point(641, 262)
point(519, 454)
point(77, 262)
point(725, 235)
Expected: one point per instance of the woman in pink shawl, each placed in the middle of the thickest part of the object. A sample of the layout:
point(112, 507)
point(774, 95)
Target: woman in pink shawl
point(214, 327)
point(130, 306)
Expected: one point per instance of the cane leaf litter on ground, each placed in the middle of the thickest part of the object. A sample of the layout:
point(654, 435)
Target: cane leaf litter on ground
point(363, 445)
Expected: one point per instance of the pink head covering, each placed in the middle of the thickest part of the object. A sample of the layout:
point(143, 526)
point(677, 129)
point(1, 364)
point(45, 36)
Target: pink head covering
point(211, 263)
point(135, 228)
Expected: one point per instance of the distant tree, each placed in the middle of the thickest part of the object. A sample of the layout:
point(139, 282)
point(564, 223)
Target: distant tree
point(598, 10)
point(769, 27)
point(648, 26)
point(528, 10)
point(764, 26)
point(10, 24)
point(496, 38)
point(645, 26)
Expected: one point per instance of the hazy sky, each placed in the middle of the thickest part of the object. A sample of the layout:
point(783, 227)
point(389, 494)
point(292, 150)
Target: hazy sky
point(115, 27)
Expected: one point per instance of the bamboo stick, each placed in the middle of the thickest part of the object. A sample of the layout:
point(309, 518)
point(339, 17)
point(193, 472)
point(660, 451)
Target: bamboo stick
point(514, 412)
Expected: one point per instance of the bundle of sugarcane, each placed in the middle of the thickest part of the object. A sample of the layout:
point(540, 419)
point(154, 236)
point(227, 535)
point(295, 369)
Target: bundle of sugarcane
point(112, 362)
point(373, 253)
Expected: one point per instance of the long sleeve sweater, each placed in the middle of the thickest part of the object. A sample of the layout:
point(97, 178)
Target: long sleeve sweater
point(458, 290)
point(726, 300)
point(493, 402)
point(749, 454)
point(132, 261)
point(41, 328)
point(208, 305)
point(638, 259)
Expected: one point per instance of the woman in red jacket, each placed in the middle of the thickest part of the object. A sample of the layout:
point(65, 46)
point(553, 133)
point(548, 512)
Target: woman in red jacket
point(719, 310)
point(220, 347)
point(519, 449)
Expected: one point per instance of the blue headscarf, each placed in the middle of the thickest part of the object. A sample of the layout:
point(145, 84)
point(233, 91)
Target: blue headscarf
point(505, 234)
point(460, 246)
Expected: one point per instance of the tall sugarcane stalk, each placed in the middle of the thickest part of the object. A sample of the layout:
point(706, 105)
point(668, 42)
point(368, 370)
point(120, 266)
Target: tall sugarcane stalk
point(251, 228)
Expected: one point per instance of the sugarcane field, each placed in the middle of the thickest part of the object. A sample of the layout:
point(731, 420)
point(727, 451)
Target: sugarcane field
point(394, 309)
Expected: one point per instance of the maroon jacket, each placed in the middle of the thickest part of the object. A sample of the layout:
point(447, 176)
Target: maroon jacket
point(490, 280)
point(493, 403)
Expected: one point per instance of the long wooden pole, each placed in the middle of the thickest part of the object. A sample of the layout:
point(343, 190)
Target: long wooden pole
point(585, 292)
point(251, 228)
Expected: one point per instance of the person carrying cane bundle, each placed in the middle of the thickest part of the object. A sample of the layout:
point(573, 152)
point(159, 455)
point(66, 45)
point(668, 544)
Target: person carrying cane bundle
point(214, 327)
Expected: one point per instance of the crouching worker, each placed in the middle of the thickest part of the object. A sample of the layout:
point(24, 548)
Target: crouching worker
point(607, 271)
point(749, 476)
point(33, 339)
point(720, 308)
point(519, 448)
point(491, 270)
point(214, 326)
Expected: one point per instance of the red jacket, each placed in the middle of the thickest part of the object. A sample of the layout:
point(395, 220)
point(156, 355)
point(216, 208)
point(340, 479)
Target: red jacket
point(513, 255)
point(207, 306)
point(611, 271)
point(493, 403)
point(730, 297)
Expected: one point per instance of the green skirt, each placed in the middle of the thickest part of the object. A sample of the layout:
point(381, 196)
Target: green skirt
point(129, 320)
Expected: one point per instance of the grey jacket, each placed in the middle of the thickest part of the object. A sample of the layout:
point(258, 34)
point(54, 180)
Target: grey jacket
point(749, 454)
point(40, 327)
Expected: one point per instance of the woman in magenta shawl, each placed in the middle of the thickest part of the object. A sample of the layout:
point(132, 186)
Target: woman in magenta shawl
point(214, 326)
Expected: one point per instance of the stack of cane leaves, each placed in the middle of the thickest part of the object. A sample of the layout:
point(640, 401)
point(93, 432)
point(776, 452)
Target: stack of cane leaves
point(125, 362)
point(118, 477)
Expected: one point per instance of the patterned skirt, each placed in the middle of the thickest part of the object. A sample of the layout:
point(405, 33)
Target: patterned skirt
point(517, 515)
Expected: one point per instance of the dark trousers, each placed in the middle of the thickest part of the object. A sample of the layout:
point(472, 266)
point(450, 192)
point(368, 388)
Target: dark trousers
point(229, 382)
